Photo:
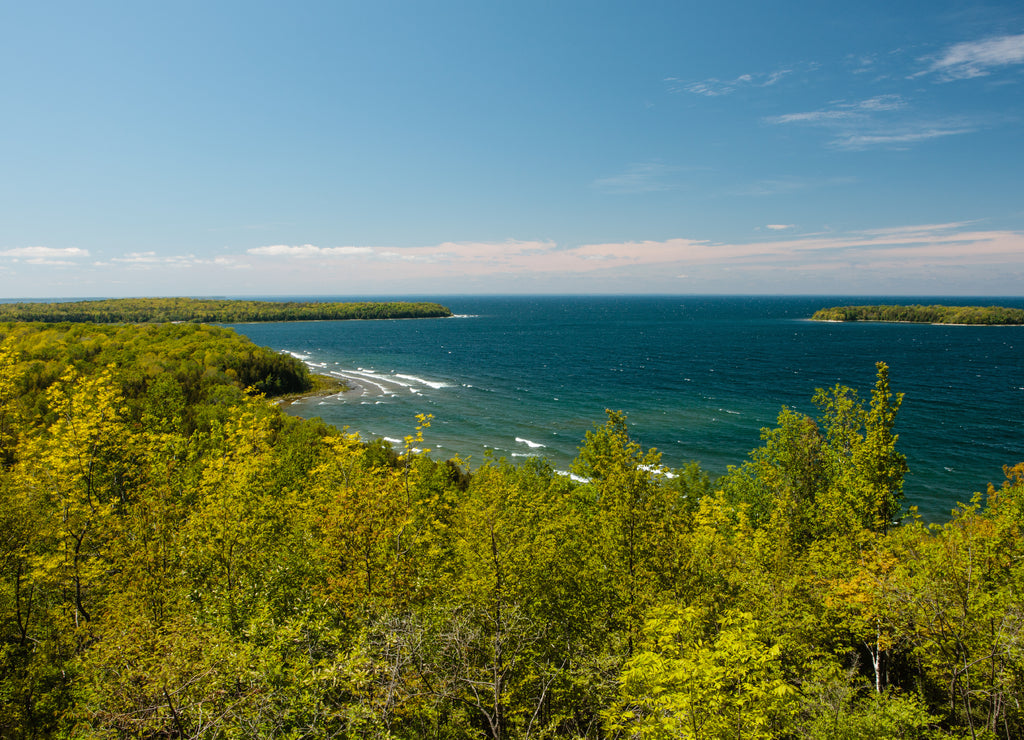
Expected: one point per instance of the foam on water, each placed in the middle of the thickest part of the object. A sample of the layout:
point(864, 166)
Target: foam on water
point(436, 385)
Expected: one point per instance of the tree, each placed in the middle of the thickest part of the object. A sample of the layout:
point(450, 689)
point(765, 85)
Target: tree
point(699, 678)
point(864, 469)
point(632, 517)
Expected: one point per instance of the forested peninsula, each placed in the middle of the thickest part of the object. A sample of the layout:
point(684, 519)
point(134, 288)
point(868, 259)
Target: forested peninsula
point(206, 310)
point(983, 315)
point(180, 559)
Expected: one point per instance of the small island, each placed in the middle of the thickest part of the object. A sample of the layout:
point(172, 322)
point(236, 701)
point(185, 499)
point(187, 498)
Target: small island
point(212, 311)
point(917, 314)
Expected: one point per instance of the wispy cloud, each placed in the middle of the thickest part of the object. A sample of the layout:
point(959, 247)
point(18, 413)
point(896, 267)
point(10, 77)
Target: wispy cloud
point(45, 255)
point(153, 260)
point(900, 255)
point(714, 87)
point(309, 250)
point(646, 177)
point(844, 111)
point(948, 244)
point(899, 139)
point(977, 58)
point(879, 121)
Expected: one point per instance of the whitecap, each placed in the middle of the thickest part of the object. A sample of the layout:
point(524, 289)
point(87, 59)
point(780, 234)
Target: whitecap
point(658, 471)
point(430, 383)
point(573, 476)
point(528, 443)
point(360, 373)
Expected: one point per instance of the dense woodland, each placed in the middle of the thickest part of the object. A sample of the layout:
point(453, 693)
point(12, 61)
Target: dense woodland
point(208, 310)
point(990, 315)
point(179, 559)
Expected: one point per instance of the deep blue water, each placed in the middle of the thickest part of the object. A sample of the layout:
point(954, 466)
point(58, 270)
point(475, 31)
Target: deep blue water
point(697, 376)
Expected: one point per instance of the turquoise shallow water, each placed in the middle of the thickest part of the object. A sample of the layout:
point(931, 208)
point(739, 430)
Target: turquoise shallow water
point(697, 376)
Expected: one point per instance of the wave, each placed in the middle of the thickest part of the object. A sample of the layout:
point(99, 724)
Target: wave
point(389, 384)
point(348, 375)
point(573, 476)
point(436, 385)
point(528, 443)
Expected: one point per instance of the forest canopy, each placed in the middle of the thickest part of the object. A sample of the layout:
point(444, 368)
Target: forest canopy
point(987, 315)
point(180, 559)
point(208, 310)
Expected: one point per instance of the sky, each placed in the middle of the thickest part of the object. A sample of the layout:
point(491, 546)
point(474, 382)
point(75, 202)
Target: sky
point(437, 148)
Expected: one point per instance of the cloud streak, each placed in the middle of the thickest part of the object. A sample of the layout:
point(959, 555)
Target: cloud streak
point(949, 244)
point(779, 261)
point(309, 250)
point(972, 59)
point(875, 122)
point(713, 87)
point(45, 255)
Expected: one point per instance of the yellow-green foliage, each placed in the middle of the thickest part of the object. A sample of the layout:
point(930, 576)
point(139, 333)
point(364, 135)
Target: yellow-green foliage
point(179, 559)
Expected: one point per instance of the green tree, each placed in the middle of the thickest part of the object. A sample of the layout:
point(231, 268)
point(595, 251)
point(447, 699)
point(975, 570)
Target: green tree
point(632, 519)
point(865, 470)
point(701, 679)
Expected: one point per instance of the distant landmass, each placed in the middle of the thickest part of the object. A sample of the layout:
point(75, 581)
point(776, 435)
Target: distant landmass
point(225, 311)
point(980, 315)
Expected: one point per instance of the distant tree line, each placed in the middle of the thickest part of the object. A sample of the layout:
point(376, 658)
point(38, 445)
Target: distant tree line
point(989, 315)
point(206, 310)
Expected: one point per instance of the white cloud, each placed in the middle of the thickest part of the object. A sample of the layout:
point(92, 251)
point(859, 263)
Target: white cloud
point(151, 260)
point(714, 87)
point(959, 249)
point(843, 111)
point(308, 250)
point(978, 58)
point(881, 102)
point(138, 258)
point(897, 138)
point(43, 255)
point(876, 122)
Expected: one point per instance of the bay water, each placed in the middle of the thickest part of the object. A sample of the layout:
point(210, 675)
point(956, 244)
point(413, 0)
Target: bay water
point(697, 376)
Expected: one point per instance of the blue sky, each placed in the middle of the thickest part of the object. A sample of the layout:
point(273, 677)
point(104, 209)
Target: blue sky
point(396, 148)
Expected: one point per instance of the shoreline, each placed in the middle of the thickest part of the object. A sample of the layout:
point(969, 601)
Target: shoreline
point(324, 386)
